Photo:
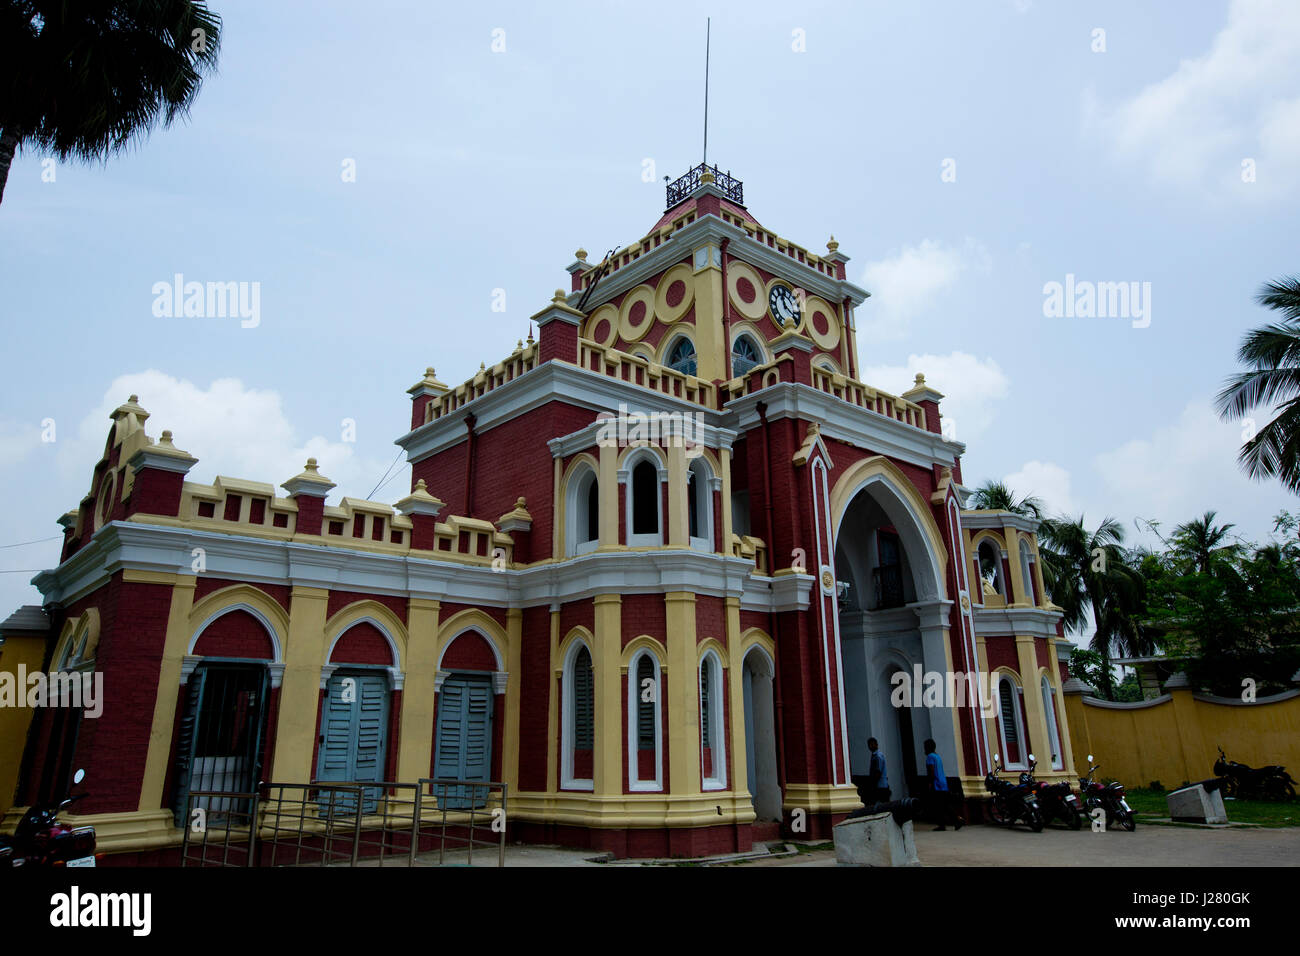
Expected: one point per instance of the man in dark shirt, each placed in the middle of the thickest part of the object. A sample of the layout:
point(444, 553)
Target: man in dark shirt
point(877, 774)
point(940, 799)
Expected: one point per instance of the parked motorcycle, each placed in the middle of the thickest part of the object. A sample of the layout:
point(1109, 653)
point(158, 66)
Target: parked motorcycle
point(1057, 801)
point(40, 839)
point(1253, 783)
point(1013, 801)
point(1108, 796)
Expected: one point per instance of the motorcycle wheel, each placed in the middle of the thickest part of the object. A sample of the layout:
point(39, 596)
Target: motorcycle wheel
point(1075, 819)
point(1275, 788)
point(1126, 819)
point(1229, 787)
point(998, 813)
point(1034, 818)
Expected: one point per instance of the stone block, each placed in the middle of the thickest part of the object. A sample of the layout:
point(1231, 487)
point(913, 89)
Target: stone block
point(875, 840)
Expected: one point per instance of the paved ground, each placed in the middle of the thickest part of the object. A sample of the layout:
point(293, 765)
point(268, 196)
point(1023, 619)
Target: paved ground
point(995, 846)
point(1148, 846)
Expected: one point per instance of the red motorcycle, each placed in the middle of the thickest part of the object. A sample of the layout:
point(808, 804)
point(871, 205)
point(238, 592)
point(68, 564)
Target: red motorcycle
point(40, 839)
point(1108, 796)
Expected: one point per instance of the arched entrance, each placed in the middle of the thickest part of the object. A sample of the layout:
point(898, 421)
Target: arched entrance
point(892, 628)
point(760, 736)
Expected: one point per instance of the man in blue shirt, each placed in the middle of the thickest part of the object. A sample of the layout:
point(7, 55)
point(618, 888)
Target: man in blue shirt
point(940, 799)
point(877, 773)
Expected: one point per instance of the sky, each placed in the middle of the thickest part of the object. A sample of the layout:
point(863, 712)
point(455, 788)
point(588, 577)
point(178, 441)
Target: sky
point(405, 182)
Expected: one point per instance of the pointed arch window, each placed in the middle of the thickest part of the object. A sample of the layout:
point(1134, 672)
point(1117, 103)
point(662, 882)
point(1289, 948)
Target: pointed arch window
point(699, 505)
point(1053, 730)
point(1027, 571)
point(645, 733)
point(578, 719)
point(582, 527)
point(713, 757)
point(644, 520)
point(1011, 726)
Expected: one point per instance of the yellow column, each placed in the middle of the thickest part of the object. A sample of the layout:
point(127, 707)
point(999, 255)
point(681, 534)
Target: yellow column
point(709, 344)
point(1035, 718)
point(415, 752)
point(514, 659)
point(295, 732)
point(169, 684)
point(1062, 724)
point(683, 694)
point(608, 769)
point(553, 707)
point(1018, 596)
point(678, 518)
point(608, 478)
point(724, 459)
point(1038, 575)
point(739, 778)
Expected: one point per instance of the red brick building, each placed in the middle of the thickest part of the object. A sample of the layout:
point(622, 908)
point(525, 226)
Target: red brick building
point(659, 571)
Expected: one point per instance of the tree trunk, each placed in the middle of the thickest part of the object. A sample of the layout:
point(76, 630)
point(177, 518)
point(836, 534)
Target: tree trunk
point(8, 145)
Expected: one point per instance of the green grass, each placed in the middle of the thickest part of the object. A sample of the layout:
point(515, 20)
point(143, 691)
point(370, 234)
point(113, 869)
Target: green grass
point(1264, 813)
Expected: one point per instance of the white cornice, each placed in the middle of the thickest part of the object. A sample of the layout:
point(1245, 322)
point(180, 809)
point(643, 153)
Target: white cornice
point(144, 547)
point(999, 519)
point(848, 423)
point(999, 621)
point(710, 436)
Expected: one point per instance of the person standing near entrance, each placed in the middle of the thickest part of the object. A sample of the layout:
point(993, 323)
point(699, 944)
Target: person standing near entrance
point(878, 773)
point(940, 799)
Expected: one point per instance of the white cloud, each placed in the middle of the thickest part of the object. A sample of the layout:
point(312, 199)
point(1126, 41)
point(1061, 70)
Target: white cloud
point(907, 281)
point(1048, 482)
point(17, 441)
point(233, 430)
point(1239, 100)
point(1183, 469)
point(971, 388)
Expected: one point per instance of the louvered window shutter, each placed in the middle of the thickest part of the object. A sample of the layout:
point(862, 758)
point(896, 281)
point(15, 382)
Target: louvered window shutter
point(584, 703)
point(645, 709)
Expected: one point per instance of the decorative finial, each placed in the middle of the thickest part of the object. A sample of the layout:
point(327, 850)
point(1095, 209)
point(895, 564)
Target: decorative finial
point(530, 333)
point(519, 345)
point(706, 176)
point(421, 486)
point(521, 502)
point(482, 366)
point(558, 298)
point(166, 438)
point(920, 379)
point(581, 254)
point(430, 372)
point(134, 399)
point(832, 245)
point(311, 466)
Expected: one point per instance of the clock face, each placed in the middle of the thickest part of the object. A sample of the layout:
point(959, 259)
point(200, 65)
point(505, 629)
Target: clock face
point(785, 307)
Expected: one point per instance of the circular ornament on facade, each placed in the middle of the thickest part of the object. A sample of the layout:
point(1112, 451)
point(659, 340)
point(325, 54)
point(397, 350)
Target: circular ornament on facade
point(637, 314)
point(745, 289)
point(821, 324)
point(602, 325)
point(104, 503)
point(828, 580)
point(965, 602)
point(785, 305)
point(675, 293)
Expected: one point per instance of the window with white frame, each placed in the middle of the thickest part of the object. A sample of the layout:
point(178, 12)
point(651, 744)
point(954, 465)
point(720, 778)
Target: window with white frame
point(578, 720)
point(713, 757)
point(644, 521)
point(1053, 731)
point(699, 504)
point(1011, 726)
point(644, 730)
point(582, 525)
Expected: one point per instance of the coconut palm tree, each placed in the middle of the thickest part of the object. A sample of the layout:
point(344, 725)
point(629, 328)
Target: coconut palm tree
point(998, 496)
point(1200, 542)
point(1271, 381)
point(85, 80)
point(1089, 571)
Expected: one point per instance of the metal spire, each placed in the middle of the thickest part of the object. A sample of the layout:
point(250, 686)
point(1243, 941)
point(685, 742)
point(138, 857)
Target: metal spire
point(708, 23)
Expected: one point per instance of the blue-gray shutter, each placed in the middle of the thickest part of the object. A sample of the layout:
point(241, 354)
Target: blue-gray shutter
point(464, 738)
point(355, 734)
